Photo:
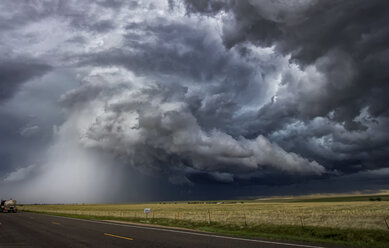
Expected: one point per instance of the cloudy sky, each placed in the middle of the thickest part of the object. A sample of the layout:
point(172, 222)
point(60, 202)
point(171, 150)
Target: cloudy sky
point(115, 101)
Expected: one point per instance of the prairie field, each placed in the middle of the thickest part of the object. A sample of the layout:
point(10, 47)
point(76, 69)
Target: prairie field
point(342, 214)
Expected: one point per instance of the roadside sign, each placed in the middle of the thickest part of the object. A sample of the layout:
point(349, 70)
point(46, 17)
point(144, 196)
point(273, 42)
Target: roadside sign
point(147, 210)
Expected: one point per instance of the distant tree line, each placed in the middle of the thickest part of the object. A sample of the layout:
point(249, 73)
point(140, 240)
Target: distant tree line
point(375, 199)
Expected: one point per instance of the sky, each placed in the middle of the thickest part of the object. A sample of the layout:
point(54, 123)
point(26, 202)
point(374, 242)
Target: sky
point(128, 101)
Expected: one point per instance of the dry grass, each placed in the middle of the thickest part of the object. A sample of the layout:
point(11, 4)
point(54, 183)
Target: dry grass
point(362, 215)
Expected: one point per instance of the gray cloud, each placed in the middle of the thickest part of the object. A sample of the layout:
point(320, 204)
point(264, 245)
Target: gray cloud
point(14, 72)
point(29, 131)
point(345, 40)
point(210, 92)
point(206, 87)
point(154, 130)
point(339, 51)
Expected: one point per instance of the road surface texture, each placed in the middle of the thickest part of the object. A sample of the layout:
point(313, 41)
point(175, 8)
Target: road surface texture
point(38, 230)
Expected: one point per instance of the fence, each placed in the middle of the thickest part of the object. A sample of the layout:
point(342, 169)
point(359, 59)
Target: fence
point(246, 217)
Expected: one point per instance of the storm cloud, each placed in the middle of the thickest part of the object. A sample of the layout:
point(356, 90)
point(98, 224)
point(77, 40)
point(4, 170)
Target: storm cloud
point(14, 72)
point(336, 90)
point(198, 93)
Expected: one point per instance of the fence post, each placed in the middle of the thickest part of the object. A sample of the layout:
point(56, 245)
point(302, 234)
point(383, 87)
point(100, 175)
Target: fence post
point(387, 225)
point(245, 220)
point(209, 217)
point(301, 220)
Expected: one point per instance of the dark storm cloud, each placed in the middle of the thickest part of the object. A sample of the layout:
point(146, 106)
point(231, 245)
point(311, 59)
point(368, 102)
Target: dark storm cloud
point(326, 80)
point(23, 13)
point(218, 92)
point(338, 111)
point(196, 87)
point(27, 121)
point(14, 72)
point(153, 130)
point(38, 42)
point(192, 57)
point(346, 40)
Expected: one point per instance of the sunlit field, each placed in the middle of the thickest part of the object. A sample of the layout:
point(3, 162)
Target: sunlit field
point(353, 214)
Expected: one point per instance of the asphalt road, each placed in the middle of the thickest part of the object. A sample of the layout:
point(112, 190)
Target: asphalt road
point(37, 230)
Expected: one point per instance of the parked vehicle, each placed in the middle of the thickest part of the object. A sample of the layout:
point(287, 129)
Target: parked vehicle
point(8, 206)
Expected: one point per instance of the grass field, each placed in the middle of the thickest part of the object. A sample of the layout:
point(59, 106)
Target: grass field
point(361, 214)
point(358, 222)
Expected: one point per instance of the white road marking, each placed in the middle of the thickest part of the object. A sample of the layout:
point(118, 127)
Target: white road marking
point(187, 232)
